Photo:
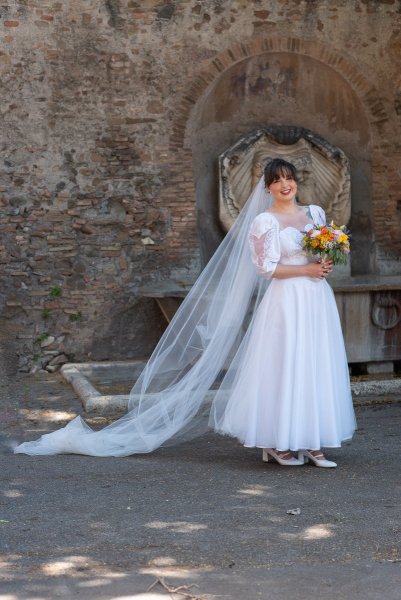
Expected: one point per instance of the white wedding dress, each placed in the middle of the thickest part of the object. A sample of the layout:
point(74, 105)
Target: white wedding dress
point(292, 390)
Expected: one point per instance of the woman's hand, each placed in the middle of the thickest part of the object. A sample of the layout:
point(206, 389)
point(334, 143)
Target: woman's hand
point(320, 268)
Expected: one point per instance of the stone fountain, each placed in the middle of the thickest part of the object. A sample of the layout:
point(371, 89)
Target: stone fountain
point(369, 303)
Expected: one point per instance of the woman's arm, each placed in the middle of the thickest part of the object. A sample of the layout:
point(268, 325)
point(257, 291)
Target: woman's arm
point(317, 269)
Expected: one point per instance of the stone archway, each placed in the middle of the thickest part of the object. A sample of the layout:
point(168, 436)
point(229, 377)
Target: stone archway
point(277, 81)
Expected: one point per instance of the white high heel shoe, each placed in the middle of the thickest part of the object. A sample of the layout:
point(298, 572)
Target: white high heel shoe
point(290, 462)
point(319, 461)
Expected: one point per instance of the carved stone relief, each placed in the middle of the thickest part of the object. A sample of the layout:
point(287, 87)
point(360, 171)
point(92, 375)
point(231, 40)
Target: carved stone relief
point(386, 312)
point(323, 170)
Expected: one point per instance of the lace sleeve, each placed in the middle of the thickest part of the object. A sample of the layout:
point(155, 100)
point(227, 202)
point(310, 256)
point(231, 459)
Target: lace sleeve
point(264, 242)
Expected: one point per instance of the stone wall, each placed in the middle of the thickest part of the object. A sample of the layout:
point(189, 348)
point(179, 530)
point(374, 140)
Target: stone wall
point(113, 114)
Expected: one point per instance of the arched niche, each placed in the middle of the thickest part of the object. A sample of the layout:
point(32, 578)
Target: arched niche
point(280, 88)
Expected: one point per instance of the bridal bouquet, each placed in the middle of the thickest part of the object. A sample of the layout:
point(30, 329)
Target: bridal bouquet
point(330, 241)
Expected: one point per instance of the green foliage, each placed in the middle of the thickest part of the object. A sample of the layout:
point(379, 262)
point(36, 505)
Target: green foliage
point(336, 255)
point(76, 316)
point(41, 338)
point(56, 292)
point(45, 313)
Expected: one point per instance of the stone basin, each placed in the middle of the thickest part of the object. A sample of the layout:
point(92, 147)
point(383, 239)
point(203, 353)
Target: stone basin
point(369, 308)
point(370, 313)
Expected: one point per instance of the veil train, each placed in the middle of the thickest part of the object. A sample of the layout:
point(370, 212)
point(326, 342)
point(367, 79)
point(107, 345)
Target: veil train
point(195, 359)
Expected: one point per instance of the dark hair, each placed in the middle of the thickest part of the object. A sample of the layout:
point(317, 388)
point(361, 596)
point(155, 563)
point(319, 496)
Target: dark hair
point(279, 167)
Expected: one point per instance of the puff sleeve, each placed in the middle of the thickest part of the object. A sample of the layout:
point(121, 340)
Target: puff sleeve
point(318, 214)
point(264, 241)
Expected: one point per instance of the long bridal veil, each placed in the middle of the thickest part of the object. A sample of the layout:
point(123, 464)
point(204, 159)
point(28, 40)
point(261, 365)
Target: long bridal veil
point(197, 356)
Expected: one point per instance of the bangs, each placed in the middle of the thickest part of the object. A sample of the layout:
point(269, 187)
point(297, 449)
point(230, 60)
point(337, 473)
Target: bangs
point(283, 171)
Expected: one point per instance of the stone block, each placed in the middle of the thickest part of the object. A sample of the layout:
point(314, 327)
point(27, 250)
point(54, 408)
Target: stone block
point(376, 368)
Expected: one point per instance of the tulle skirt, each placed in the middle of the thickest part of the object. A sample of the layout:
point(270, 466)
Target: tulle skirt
point(292, 387)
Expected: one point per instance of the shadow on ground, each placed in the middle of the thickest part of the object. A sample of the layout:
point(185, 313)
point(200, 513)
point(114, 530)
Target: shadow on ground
point(209, 513)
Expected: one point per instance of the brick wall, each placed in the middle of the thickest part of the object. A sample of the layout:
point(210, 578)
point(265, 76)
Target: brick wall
point(97, 192)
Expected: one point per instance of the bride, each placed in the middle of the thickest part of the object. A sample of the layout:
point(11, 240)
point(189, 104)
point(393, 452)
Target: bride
point(255, 351)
